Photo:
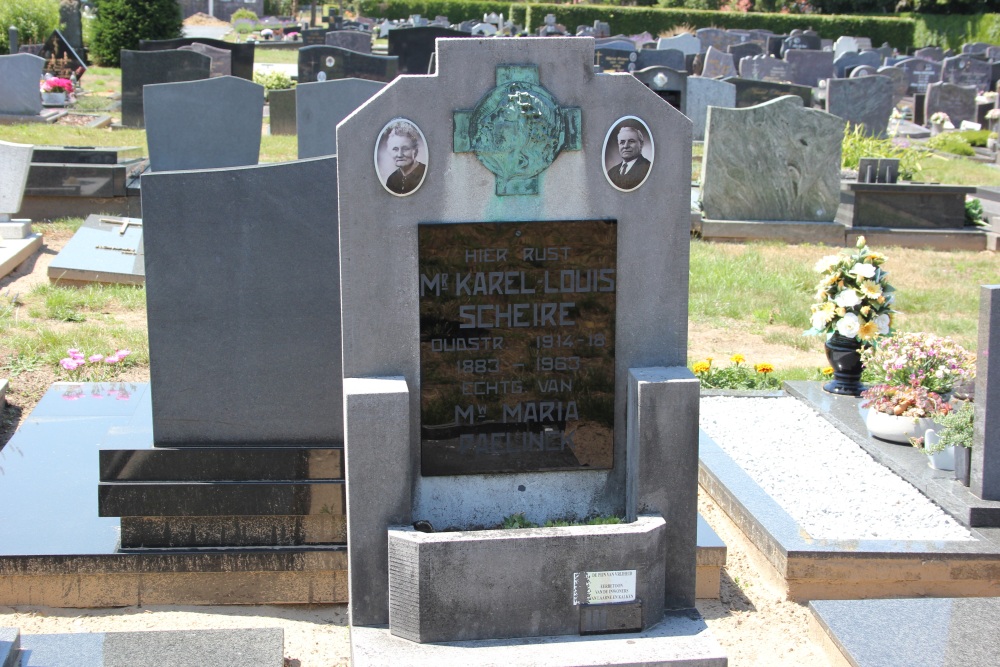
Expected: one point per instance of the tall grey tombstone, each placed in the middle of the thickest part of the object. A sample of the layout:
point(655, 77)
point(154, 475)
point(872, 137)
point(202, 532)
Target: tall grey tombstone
point(900, 82)
point(499, 175)
point(718, 64)
point(843, 64)
point(71, 22)
point(845, 44)
point(321, 105)
point(789, 170)
point(993, 53)
point(686, 43)
point(959, 102)
point(19, 77)
point(745, 50)
point(15, 161)
point(862, 101)
point(702, 93)
point(975, 47)
point(352, 40)
point(712, 38)
point(807, 67)
point(206, 124)
point(222, 60)
point(921, 72)
point(984, 480)
point(12, 39)
point(764, 68)
point(964, 70)
point(930, 53)
point(141, 68)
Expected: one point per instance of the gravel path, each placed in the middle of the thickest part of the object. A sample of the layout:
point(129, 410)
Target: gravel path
point(825, 481)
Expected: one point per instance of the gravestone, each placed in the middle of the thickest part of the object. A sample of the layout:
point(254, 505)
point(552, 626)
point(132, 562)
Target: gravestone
point(686, 43)
point(321, 105)
point(921, 72)
point(964, 70)
point(801, 42)
point(993, 53)
point(843, 65)
point(930, 53)
point(789, 171)
point(503, 143)
point(862, 101)
point(12, 40)
point(327, 63)
point(615, 60)
point(845, 44)
point(985, 455)
point(61, 59)
point(314, 36)
point(959, 102)
point(15, 161)
point(19, 77)
point(862, 70)
point(222, 60)
point(745, 50)
point(105, 250)
point(702, 93)
point(72, 23)
point(242, 54)
point(900, 82)
point(975, 47)
point(764, 68)
point(774, 44)
point(807, 67)
point(712, 38)
point(281, 111)
point(619, 43)
point(206, 124)
point(352, 40)
point(671, 58)
point(142, 68)
point(414, 47)
point(718, 64)
point(751, 93)
point(668, 83)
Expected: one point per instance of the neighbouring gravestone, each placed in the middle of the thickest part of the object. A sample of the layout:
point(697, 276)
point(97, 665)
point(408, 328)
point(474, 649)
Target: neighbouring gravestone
point(921, 72)
point(843, 65)
point(19, 77)
point(862, 101)
point(206, 124)
point(242, 54)
point(751, 93)
point(686, 43)
point(321, 105)
point(764, 68)
point(222, 60)
point(975, 47)
point(900, 82)
point(718, 64)
point(745, 50)
point(807, 67)
point(281, 111)
point(352, 40)
point(862, 70)
point(142, 68)
point(669, 84)
point(964, 70)
point(61, 59)
point(993, 53)
point(414, 47)
point(845, 44)
point(314, 36)
point(930, 53)
point(105, 249)
point(615, 60)
point(327, 63)
point(671, 58)
point(959, 102)
point(712, 38)
point(985, 455)
point(702, 93)
point(801, 42)
point(72, 23)
point(455, 403)
point(790, 170)
point(15, 161)
point(619, 43)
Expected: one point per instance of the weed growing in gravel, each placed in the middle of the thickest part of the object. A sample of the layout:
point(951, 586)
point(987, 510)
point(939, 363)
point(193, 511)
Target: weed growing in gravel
point(738, 375)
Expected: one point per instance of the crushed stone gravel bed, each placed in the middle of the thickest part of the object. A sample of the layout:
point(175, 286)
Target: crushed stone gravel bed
point(831, 487)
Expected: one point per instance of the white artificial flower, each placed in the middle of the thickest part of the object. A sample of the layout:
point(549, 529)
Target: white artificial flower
point(826, 263)
point(848, 325)
point(819, 319)
point(863, 270)
point(882, 322)
point(847, 298)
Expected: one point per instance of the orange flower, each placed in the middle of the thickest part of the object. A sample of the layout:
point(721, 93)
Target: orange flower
point(764, 368)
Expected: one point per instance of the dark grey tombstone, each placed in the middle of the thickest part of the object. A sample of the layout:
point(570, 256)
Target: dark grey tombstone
point(959, 102)
point(717, 64)
point(930, 53)
point(862, 70)
point(414, 46)
point(885, 51)
point(72, 23)
point(668, 83)
point(764, 68)
point(61, 59)
point(242, 54)
point(12, 40)
point(712, 37)
point(801, 42)
point(745, 50)
point(327, 63)
point(900, 81)
point(862, 101)
point(281, 111)
point(207, 124)
point(921, 72)
point(965, 70)
point(620, 43)
point(314, 36)
point(985, 456)
point(19, 77)
point(686, 43)
point(142, 68)
point(222, 60)
point(774, 44)
point(671, 58)
point(739, 37)
point(807, 67)
point(751, 93)
point(242, 303)
point(993, 53)
point(352, 40)
point(975, 47)
point(319, 106)
point(615, 60)
point(843, 65)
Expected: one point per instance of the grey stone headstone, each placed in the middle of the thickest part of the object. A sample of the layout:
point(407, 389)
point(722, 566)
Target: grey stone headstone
point(242, 55)
point(15, 162)
point(985, 471)
point(790, 170)
point(845, 44)
point(12, 39)
point(671, 58)
point(921, 72)
point(703, 93)
point(242, 294)
point(206, 124)
point(900, 81)
point(843, 64)
point(352, 40)
point(930, 53)
point(993, 53)
point(619, 43)
point(712, 38)
point(862, 70)
point(687, 43)
point(718, 64)
point(222, 60)
point(281, 111)
point(964, 70)
point(19, 77)
point(141, 68)
point(862, 101)
point(745, 50)
point(327, 63)
point(751, 93)
point(72, 24)
point(959, 102)
point(321, 105)
point(975, 47)
point(801, 41)
point(864, 43)
point(807, 67)
point(764, 68)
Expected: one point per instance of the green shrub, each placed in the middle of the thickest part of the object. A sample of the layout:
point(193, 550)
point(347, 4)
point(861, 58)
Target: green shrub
point(243, 13)
point(35, 20)
point(738, 375)
point(974, 214)
point(120, 24)
point(975, 137)
point(278, 7)
point(857, 145)
point(951, 142)
point(273, 80)
point(950, 31)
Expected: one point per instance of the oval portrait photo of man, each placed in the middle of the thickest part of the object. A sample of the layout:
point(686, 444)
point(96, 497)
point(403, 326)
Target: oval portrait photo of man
point(401, 157)
point(628, 153)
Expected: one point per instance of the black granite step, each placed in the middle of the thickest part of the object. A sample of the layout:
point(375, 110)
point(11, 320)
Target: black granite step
point(221, 464)
point(260, 498)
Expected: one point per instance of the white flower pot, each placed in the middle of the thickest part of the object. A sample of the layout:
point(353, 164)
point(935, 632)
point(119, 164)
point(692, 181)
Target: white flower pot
point(936, 129)
point(54, 99)
point(942, 460)
point(896, 429)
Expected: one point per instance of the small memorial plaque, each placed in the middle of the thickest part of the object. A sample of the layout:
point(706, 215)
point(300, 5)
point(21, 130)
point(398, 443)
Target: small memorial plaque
point(613, 587)
point(517, 328)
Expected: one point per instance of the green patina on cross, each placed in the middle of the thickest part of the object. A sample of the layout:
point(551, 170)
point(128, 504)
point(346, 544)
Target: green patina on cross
point(517, 130)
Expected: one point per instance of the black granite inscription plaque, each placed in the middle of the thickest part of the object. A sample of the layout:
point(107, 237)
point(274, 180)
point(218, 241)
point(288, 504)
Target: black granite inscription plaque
point(517, 365)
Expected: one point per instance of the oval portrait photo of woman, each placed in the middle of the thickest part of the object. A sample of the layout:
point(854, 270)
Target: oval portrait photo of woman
point(628, 153)
point(401, 157)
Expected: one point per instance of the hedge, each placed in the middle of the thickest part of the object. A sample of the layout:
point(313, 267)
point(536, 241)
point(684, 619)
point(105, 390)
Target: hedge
point(950, 31)
point(456, 11)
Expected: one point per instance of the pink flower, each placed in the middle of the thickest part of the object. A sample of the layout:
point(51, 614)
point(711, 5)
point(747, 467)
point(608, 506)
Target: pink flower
point(111, 359)
point(121, 354)
point(69, 364)
point(75, 354)
point(94, 358)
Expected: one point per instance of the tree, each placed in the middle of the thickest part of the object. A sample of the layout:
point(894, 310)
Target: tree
point(34, 19)
point(122, 23)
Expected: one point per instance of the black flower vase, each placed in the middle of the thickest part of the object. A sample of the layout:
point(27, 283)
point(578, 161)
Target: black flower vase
point(844, 355)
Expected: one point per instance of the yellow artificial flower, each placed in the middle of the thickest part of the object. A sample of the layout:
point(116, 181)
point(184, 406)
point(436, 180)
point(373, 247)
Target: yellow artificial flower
point(871, 289)
point(737, 359)
point(841, 312)
point(875, 257)
point(865, 310)
point(701, 367)
point(867, 331)
point(826, 370)
point(764, 368)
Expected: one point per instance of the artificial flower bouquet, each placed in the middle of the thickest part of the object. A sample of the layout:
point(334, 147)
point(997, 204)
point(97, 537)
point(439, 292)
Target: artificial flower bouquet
point(57, 85)
point(911, 400)
point(933, 362)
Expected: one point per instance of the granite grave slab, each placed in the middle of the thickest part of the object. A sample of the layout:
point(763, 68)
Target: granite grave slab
point(142, 68)
point(862, 70)
point(672, 58)
point(15, 162)
point(242, 54)
point(930, 53)
point(807, 67)
point(900, 81)
point(713, 37)
point(985, 454)
point(61, 59)
point(328, 63)
point(669, 84)
point(845, 44)
point(609, 59)
point(105, 249)
point(801, 41)
point(745, 50)
point(321, 105)
point(866, 101)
